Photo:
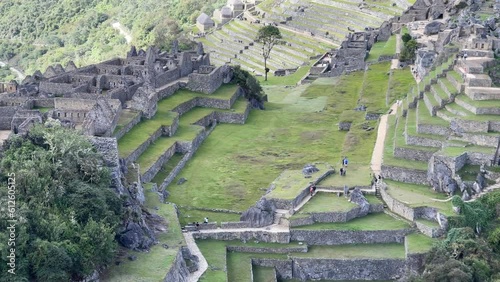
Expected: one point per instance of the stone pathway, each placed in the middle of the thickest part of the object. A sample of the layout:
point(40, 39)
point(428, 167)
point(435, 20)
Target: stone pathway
point(378, 150)
point(20, 75)
point(395, 62)
point(202, 262)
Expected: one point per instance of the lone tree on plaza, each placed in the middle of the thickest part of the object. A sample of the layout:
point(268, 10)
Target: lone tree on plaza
point(269, 36)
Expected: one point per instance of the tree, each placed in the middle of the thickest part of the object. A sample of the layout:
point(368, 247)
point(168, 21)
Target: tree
point(269, 36)
point(406, 37)
point(408, 52)
point(251, 87)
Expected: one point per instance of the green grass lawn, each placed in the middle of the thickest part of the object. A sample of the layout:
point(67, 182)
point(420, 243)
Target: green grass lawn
point(167, 168)
point(42, 109)
point(382, 48)
point(239, 265)
point(152, 265)
point(126, 116)
point(327, 202)
point(375, 86)
point(418, 195)
point(356, 251)
point(419, 243)
point(227, 170)
point(374, 221)
point(400, 84)
point(264, 274)
point(284, 80)
point(291, 183)
point(357, 175)
point(188, 216)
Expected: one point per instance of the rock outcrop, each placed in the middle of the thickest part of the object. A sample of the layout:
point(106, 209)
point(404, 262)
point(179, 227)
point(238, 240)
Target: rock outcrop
point(359, 199)
point(262, 214)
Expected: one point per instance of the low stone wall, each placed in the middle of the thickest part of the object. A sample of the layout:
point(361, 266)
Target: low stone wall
point(494, 126)
point(481, 140)
point(119, 134)
point(404, 174)
point(43, 103)
point(415, 262)
point(347, 269)
point(432, 232)
point(432, 129)
point(397, 206)
point(201, 226)
point(178, 270)
point(231, 225)
point(191, 147)
point(341, 237)
point(169, 90)
point(334, 216)
point(156, 167)
point(422, 141)
point(469, 125)
point(260, 250)
point(263, 236)
point(139, 150)
point(413, 154)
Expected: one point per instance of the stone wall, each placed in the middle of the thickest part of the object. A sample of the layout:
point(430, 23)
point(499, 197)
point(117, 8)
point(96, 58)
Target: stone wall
point(347, 269)
point(167, 77)
point(231, 225)
point(261, 235)
point(269, 250)
point(156, 167)
point(333, 216)
point(178, 271)
point(432, 129)
point(341, 237)
point(56, 88)
point(206, 83)
point(189, 150)
point(397, 206)
point(422, 141)
point(429, 231)
point(126, 128)
point(139, 150)
point(481, 140)
point(43, 103)
point(169, 90)
point(413, 154)
point(407, 175)
point(6, 115)
point(475, 158)
point(469, 126)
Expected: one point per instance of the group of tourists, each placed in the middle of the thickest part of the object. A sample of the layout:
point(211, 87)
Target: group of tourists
point(197, 224)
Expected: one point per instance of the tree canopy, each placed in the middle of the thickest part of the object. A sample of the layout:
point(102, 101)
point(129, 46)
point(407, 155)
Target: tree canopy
point(268, 36)
point(66, 212)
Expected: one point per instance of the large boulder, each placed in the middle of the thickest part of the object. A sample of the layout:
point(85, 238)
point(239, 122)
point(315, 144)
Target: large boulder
point(309, 169)
point(262, 214)
point(432, 28)
point(359, 199)
point(135, 237)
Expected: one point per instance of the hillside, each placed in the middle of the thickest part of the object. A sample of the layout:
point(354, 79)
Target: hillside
point(39, 33)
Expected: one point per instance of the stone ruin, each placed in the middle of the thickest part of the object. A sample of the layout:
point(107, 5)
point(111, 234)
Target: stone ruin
point(91, 98)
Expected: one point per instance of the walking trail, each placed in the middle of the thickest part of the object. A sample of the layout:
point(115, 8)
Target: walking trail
point(378, 151)
point(395, 62)
point(118, 26)
point(20, 75)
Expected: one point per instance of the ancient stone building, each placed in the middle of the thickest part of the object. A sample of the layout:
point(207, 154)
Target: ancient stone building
point(204, 22)
point(91, 98)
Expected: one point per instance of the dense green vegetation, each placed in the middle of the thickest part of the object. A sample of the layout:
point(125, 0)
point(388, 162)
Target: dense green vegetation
point(37, 33)
point(66, 213)
point(470, 250)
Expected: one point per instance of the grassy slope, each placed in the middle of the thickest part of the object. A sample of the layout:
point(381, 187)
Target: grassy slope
point(376, 221)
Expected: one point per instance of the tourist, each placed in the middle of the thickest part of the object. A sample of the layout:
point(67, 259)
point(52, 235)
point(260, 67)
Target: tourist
point(311, 190)
point(465, 56)
point(345, 162)
point(197, 226)
point(206, 220)
point(341, 171)
point(314, 188)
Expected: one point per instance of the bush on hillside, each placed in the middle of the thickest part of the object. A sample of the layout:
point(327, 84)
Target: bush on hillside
point(251, 87)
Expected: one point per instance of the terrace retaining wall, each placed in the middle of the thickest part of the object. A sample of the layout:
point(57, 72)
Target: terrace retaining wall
point(178, 270)
point(269, 250)
point(341, 237)
point(407, 175)
point(413, 154)
point(126, 128)
point(334, 216)
point(261, 235)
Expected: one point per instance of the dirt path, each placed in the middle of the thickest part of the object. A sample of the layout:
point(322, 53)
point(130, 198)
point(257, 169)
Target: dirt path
point(378, 151)
point(20, 75)
point(118, 26)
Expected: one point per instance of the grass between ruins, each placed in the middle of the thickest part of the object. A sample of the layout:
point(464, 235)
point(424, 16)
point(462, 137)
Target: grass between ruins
point(234, 167)
point(374, 221)
point(327, 202)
